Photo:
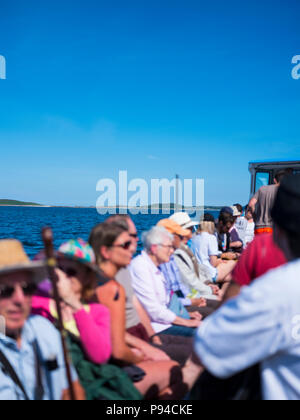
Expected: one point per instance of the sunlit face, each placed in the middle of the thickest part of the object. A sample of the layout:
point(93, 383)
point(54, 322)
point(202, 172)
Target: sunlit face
point(164, 251)
point(121, 253)
point(225, 228)
point(17, 307)
point(133, 235)
point(179, 240)
point(249, 215)
point(78, 274)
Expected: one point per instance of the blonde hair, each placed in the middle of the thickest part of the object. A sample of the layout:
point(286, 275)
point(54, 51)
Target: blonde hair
point(208, 227)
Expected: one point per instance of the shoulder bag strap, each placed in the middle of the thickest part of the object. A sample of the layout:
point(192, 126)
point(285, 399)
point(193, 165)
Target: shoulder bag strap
point(11, 372)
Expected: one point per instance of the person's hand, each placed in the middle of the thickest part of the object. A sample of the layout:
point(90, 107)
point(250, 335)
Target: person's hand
point(155, 355)
point(196, 315)
point(65, 291)
point(201, 302)
point(229, 256)
point(156, 340)
point(67, 312)
point(192, 323)
point(140, 354)
point(150, 353)
point(215, 289)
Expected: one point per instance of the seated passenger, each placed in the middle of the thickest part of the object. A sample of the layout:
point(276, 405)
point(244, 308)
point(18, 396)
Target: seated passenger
point(28, 343)
point(205, 248)
point(114, 250)
point(90, 322)
point(149, 284)
point(138, 324)
point(172, 274)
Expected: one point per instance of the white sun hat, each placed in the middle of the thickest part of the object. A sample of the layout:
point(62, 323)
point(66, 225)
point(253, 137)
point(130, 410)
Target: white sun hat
point(236, 211)
point(184, 220)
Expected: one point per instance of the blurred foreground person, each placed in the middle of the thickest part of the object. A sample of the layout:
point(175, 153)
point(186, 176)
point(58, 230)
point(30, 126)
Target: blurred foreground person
point(31, 354)
point(261, 326)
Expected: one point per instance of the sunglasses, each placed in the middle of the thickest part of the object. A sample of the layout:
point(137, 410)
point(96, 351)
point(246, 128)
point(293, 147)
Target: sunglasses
point(125, 246)
point(6, 292)
point(69, 272)
point(134, 235)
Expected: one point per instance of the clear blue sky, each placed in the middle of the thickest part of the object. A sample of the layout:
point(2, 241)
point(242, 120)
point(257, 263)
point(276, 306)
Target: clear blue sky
point(155, 87)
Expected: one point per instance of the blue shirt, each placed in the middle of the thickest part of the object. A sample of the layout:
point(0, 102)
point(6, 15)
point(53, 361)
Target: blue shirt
point(23, 362)
point(173, 281)
point(262, 325)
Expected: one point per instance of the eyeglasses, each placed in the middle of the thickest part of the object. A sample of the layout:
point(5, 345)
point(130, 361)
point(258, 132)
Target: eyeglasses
point(134, 235)
point(125, 246)
point(6, 292)
point(69, 272)
point(167, 246)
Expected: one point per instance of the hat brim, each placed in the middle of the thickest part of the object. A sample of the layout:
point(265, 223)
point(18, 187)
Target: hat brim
point(37, 269)
point(101, 279)
point(190, 224)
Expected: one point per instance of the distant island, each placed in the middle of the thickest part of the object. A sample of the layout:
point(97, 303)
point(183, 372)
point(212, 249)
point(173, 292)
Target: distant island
point(5, 202)
point(161, 207)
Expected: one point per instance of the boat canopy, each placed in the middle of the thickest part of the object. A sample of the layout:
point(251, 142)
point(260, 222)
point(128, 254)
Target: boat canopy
point(263, 172)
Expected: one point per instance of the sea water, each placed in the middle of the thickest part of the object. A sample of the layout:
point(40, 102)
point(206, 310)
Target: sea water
point(26, 223)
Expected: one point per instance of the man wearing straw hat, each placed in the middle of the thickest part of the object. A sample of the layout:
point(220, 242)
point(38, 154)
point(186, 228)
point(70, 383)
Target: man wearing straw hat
point(31, 356)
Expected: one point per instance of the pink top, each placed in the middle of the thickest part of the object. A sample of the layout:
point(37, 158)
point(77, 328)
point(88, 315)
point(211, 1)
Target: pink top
point(92, 325)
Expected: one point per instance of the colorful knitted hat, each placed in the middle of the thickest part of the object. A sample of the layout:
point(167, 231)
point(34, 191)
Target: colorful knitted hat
point(80, 251)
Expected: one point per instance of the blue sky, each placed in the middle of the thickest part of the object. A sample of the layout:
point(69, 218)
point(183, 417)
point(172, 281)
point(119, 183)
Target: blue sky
point(152, 87)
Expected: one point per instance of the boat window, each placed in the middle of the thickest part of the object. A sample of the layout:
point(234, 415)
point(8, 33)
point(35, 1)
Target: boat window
point(262, 179)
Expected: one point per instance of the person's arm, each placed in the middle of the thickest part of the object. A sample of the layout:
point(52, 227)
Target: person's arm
point(93, 326)
point(143, 285)
point(150, 352)
point(232, 291)
point(235, 241)
point(190, 278)
point(237, 244)
point(214, 260)
point(192, 370)
point(144, 317)
point(95, 333)
point(145, 320)
point(243, 332)
point(107, 296)
point(190, 323)
point(252, 203)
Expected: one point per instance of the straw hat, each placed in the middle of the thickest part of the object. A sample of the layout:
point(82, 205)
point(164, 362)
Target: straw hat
point(14, 259)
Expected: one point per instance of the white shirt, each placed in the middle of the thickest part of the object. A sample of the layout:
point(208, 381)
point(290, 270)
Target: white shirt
point(149, 285)
point(249, 235)
point(241, 226)
point(262, 325)
point(205, 246)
